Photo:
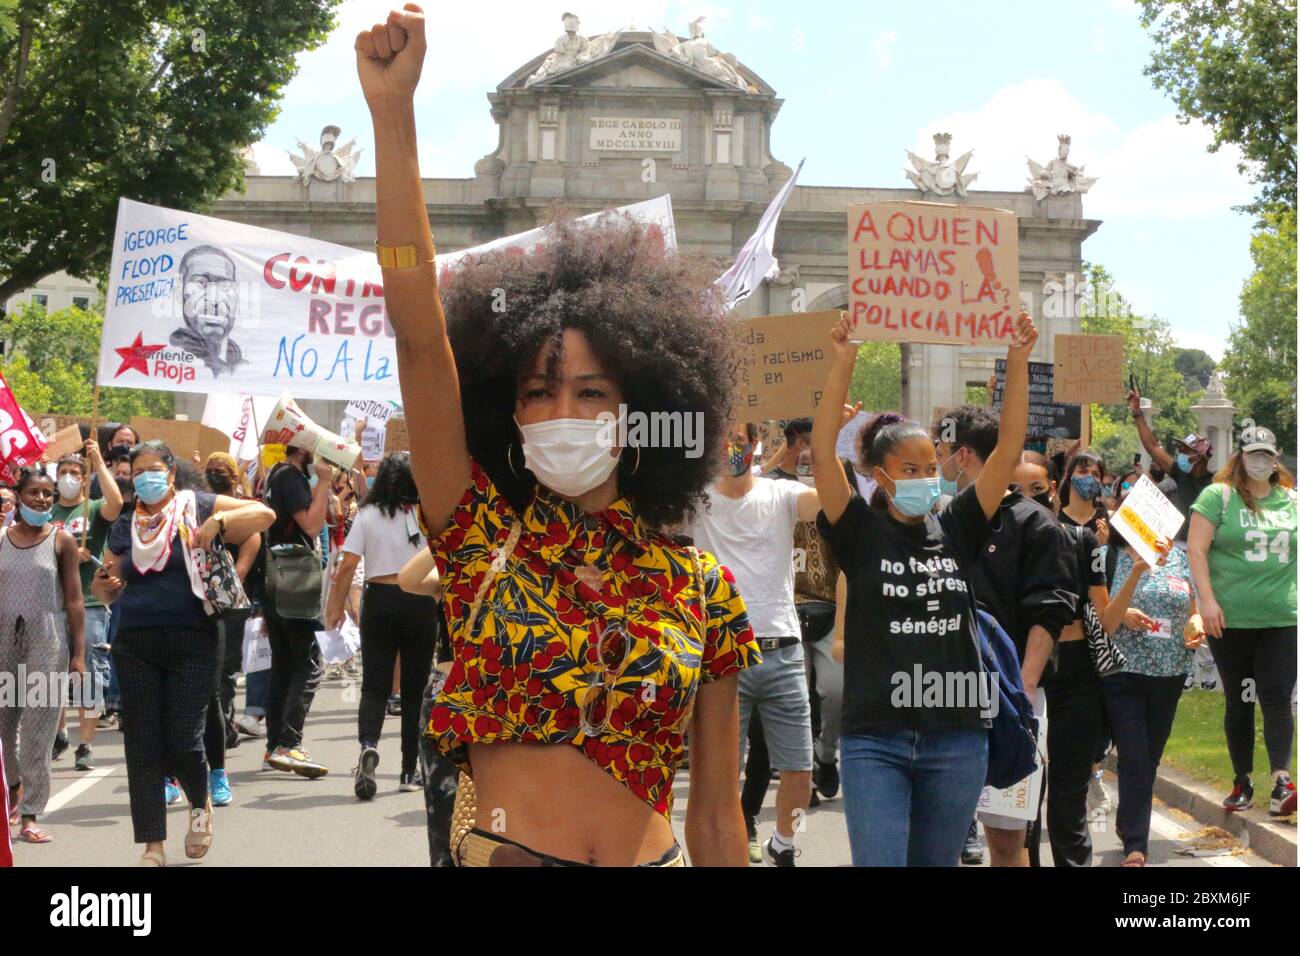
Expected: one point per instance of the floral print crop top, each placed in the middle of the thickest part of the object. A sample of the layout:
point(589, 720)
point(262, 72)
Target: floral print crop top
point(521, 670)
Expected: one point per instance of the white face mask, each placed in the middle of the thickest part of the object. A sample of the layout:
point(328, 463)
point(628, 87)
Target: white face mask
point(1260, 466)
point(569, 455)
point(69, 487)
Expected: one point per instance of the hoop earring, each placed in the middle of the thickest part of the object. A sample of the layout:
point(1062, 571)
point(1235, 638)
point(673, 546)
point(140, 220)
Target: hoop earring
point(637, 464)
point(510, 452)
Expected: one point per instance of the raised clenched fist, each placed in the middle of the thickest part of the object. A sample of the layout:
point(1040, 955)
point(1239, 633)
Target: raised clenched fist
point(390, 56)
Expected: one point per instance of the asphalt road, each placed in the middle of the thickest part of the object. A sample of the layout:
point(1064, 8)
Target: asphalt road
point(285, 820)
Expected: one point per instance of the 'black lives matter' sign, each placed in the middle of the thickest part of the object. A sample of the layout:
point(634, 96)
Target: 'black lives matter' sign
point(1047, 419)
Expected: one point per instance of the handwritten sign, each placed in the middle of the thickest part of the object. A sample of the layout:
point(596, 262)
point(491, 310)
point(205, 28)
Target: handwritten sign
point(932, 272)
point(784, 361)
point(1047, 419)
point(1090, 368)
point(396, 438)
point(1145, 517)
point(1020, 800)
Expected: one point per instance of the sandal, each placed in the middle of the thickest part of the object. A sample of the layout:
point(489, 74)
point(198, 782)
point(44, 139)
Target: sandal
point(1135, 858)
point(31, 833)
point(198, 838)
point(153, 858)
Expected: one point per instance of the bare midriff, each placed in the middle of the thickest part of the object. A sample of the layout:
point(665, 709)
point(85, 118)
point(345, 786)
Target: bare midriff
point(554, 800)
point(382, 579)
point(1072, 631)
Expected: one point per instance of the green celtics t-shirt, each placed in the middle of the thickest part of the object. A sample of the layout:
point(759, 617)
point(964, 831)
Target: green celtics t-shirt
point(1253, 557)
point(71, 520)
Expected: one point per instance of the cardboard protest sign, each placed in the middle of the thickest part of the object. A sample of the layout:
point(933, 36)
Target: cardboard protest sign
point(1020, 800)
point(396, 438)
point(783, 364)
point(66, 441)
point(1090, 368)
point(376, 416)
point(183, 438)
point(272, 455)
point(933, 272)
point(1145, 517)
point(199, 304)
point(1047, 419)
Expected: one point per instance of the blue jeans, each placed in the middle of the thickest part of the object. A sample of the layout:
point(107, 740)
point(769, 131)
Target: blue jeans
point(99, 664)
point(909, 796)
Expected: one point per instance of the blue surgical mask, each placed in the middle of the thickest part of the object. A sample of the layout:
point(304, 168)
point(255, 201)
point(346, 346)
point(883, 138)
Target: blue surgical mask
point(915, 497)
point(370, 481)
point(1183, 462)
point(313, 480)
point(946, 487)
point(1086, 487)
point(150, 486)
point(36, 519)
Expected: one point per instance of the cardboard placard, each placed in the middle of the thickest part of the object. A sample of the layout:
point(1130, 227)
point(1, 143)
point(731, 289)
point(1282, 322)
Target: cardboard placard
point(272, 455)
point(1020, 800)
point(1090, 368)
point(933, 272)
point(783, 364)
point(183, 438)
point(1047, 419)
point(1145, 517)
point(396, 437)
point(66, 441)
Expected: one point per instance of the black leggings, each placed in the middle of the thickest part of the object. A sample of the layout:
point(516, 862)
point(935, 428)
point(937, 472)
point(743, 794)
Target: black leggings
point(1264, 656)
point(394, 621)
point(221, 708)
point(1075, 721)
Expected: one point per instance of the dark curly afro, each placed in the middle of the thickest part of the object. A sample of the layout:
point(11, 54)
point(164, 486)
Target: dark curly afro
point(651, 317)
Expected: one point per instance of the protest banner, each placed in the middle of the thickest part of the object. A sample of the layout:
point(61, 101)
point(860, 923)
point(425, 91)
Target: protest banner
point(1090, 368)
point(21, 442)
point(396, 437)
point(933, 272)
point(1145, 517)
point(66, 441)
point(238, 415)
point(1047, 419)
point(197, 304)
point(376, 416)
point(784, 362)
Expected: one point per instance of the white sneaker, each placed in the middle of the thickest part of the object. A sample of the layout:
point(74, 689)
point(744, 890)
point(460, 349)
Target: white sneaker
point(1098, 795)
point(249, 726)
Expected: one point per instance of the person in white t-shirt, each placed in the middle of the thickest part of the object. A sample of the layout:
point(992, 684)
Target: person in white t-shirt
point(386, 534)
point(748, 523)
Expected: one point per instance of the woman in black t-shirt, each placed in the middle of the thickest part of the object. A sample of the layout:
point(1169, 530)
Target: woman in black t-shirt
point(914, 744)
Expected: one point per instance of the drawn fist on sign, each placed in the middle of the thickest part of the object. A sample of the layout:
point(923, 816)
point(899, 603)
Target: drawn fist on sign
point(1023, 337)
point(390, 56)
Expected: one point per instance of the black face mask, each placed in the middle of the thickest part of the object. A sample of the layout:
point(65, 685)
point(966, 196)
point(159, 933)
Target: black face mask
point(219, 481)
point(1045, 499)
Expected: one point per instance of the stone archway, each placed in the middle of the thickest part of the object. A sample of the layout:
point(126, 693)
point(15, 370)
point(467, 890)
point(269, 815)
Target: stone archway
point(836, 297)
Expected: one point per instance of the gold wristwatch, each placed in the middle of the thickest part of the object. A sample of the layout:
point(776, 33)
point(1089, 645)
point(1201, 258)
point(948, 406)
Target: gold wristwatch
point(400, 257)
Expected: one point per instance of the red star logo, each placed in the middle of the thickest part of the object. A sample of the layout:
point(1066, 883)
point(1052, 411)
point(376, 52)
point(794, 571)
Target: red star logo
point(136, 355)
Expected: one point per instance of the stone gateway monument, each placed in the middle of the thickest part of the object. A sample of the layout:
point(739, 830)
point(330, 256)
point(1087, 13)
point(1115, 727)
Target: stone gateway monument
point(615, 117)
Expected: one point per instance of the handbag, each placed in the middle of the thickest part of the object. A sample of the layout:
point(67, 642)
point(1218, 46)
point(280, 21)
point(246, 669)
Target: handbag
point(222, 588)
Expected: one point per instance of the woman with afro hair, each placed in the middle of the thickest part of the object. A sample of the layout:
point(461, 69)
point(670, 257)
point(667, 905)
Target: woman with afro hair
point(585, 641)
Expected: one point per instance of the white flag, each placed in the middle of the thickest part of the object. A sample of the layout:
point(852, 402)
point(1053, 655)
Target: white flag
point(756, 261)
point(239, 415)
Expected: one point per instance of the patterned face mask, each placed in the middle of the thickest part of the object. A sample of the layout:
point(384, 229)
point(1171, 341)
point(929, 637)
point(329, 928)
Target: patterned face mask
point(739, 458)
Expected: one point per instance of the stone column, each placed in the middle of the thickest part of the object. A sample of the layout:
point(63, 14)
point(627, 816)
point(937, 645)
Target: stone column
point(1214, 421)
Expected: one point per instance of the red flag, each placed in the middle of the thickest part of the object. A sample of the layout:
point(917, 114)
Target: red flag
point(21, 442)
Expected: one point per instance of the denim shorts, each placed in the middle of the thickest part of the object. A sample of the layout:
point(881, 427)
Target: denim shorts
point(778, 690)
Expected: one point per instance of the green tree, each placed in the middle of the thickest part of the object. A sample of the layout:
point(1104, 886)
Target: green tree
point(1150, 358)
point(877, 377)
point(1261, 358)
point(1195, 366)
point(1232, 65)
point(50, 363)
point(147, 99)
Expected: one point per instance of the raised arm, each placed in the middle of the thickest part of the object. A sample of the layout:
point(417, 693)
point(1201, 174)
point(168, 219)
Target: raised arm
point(1147, 436)
point(991, 485)
point(389, 58)
point(833, 488)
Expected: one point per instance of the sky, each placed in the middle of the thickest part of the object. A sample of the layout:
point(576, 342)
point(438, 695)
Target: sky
point(863, 82)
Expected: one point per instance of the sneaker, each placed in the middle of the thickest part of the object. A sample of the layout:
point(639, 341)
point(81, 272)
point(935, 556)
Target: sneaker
point(1190, 681)
point(106, 722)
point(410, 781)
point(972, 851)
point(85, 757)
point(826, 778)
point(1281, 802)
point(784, 858)
point(60, 744)
point(171, 792)
point(1098, 796)
point(1242, 796)
point(333, 672)
point(394, 706)
point(296, 760)
point(232, 737)
point(364, 784)
point(266, 762)
point(755, 850)
point(249, 726)
point(219, 787)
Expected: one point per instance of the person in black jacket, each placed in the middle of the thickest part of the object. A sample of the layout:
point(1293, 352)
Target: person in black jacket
point(1024, 579)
